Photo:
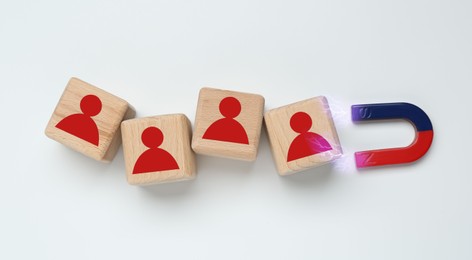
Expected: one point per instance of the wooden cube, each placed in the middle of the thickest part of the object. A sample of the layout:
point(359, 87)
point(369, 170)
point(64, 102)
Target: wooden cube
point(87, 119)
point(157, 149)
point(302, 135)
point(228, 124)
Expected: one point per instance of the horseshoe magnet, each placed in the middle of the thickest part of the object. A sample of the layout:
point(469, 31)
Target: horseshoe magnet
point(387, 111)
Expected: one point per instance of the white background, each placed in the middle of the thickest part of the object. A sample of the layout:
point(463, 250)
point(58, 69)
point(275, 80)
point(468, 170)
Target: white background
point(58, 204)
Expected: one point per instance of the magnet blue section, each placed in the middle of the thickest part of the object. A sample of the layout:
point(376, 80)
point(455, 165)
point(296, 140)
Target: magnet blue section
point(416, 115)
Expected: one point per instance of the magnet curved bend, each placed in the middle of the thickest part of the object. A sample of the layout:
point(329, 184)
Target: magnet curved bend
point(387, 111)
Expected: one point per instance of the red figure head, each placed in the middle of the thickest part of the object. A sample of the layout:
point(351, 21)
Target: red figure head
point(230, 107)
point(152, 137)
point(300, 122)
point(90, 105)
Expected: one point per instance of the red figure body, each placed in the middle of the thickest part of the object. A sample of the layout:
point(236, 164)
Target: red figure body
point(306, 143)
point(228, 129)
point(154, 159)
point(82, 125)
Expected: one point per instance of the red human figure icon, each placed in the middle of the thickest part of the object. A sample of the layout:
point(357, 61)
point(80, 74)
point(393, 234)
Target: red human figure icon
point(82, 125)
point(154, 159)
point(306, 143)
point(227, 129)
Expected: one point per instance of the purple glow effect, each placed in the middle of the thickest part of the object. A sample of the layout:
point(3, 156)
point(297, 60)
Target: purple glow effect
point(341, 114)
point(340, 111)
